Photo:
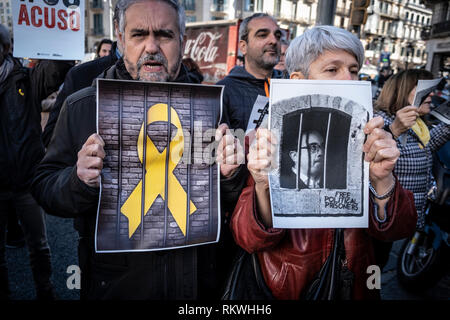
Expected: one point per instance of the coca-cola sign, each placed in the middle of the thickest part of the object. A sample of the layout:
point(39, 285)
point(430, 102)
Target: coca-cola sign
point(203, 48)
point(208, 46)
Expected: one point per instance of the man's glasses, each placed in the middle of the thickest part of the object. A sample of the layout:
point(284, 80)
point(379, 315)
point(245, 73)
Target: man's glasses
point(313, 147)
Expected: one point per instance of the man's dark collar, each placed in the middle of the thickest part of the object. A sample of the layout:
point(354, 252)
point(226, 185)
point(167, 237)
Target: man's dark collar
point(121, 70)
point(275, 74)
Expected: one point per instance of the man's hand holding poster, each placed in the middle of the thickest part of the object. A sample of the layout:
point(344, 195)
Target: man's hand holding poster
point(159, 185)
point(320, 178)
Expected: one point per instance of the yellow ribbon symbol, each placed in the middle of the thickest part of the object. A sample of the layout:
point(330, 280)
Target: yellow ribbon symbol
point(155, 168)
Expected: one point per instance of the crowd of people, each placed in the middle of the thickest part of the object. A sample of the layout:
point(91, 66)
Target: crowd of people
point(59, 169)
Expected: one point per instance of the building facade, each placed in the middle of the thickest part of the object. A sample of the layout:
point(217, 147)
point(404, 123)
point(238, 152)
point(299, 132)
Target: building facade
point(6, 14)
point(394, 33)
point(438, 38)
point(98, 22)
point(293, 15)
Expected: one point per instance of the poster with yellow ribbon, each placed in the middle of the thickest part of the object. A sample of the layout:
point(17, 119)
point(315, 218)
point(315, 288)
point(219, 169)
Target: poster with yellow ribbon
point(160, 185)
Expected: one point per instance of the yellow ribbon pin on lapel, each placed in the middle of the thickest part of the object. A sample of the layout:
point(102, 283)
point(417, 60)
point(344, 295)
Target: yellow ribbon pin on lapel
point(155, 167)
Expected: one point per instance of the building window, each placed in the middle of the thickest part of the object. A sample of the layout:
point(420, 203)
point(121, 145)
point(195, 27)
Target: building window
point(189, 5)
point(260, 5)
point(407, 15)
point(412, 16)
point(191, 18)
point(249, 5)
point(277, 9)
point(402, 52)
point(219, 5)
point(98, 24)
point(97, 4)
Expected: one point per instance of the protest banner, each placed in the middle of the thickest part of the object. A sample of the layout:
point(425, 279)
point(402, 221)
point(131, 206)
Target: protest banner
point(162, 194)
point(319, 179)
point(48, 29)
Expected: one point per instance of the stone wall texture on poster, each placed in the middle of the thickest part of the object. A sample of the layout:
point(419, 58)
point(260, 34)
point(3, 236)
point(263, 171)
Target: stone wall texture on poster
point(197, 108)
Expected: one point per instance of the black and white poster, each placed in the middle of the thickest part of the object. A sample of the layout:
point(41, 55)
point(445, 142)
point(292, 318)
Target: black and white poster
point(423, 90)
point(160, 184)
point(320, 179)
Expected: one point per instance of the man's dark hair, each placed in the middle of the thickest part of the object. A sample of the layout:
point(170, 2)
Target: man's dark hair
point(243, 28)
point(107, 41)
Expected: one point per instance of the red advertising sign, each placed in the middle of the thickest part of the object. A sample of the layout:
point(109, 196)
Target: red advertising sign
point(208, 47)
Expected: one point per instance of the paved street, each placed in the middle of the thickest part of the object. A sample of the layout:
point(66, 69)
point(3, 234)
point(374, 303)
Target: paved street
point(63, 242)
point(63, 245)
point(392, 290)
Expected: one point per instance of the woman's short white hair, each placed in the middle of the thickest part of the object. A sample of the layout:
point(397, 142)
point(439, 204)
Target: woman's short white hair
point(305, 49)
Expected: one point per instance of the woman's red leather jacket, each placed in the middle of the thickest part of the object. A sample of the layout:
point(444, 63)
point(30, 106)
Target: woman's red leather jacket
point(291, 258)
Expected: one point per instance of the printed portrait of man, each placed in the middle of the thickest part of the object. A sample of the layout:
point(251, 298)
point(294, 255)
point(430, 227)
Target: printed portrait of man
point(311, 161)
point(314, 149)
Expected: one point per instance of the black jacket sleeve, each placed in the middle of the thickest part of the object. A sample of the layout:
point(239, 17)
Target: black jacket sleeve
point(47, 76)
point(67, 89)
point(56, 185)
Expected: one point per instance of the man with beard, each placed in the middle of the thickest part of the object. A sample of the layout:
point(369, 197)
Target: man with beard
point(67, 180)
point(311, 161)
point(246, 88)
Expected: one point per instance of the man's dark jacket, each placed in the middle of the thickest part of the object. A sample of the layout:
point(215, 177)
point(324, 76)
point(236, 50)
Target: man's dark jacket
point(170, 274)
point(21, 146)
point(79, 77)
point(239, 95)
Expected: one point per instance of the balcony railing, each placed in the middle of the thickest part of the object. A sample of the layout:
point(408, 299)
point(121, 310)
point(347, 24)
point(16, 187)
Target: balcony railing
point(440, 29)
point(97, 32)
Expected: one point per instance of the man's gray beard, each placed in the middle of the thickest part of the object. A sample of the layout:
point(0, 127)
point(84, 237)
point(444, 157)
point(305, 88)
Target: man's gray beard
point(153, 76)
point(161, 76)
